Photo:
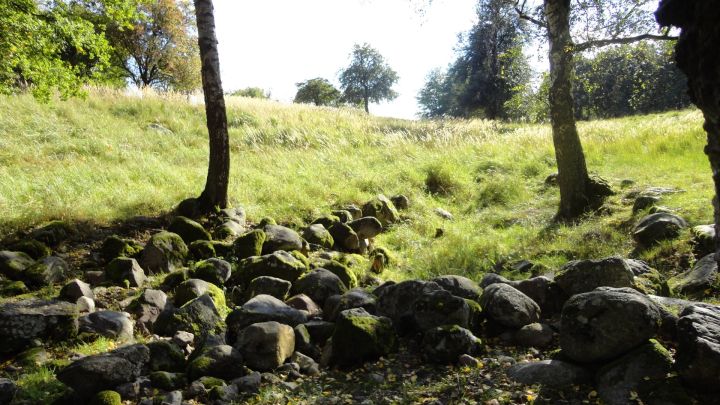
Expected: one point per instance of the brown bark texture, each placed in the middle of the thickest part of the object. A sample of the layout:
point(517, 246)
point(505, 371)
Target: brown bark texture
point(215, 193)
point(573, 178)
point(698, 56)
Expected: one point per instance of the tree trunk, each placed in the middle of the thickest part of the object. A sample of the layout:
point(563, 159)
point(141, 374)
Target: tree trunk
point(698, 57)
point(366, 100)
point(573, 178)
point(216, 186)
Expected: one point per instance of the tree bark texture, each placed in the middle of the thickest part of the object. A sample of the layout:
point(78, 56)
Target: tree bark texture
point(573, 178)
point(215, 193)
point(698, 56)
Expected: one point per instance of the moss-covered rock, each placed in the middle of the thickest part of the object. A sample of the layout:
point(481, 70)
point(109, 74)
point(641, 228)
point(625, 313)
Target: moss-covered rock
point(369, 337)
point(580, 276)
point(32, 358)
point(327, 221)
point(202, 249)
point(9, 288)
point(107, 397)
point(445, 344)
point(476, 317)
point(652, 283)
point(53, 233)
point(278, 264)
point(221, 361)
point(317, 234)
point(200, 317)
point(211, 382)
point(249, 244)
point(319, 285)
point(700, 281)
point(13, 264)
point(34, 248)
point(174, 279)
point(381, 208)
point(163, 253)
point(439, 308)
point(279, 237)
point(195, 288)
point(345, 238)
point(123, 270)
point(115, 246)
point(341, 270)
point(165, 356)
point(167, 381)
point(380, 259)
point(216, 271)
point(46, 271)
point(189, 230)
point(265, 221)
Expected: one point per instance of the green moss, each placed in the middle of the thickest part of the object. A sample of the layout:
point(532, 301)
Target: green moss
point(476, 316)
point(12, 288)
point(249, 244)
point(202, 249)
point(346, 275)
point(115, 246)
point(167, 381)
point(106, 398)
point(211, 382)
point(165, 356)
point(218, 297)
point(369, 336)
point(174, 279)
point(189, 230)
point(206, 271)
point(298, 255)
point(266, 221)
point(54, 232)
point(35, 249)
point(327, 220)
point(199, 366)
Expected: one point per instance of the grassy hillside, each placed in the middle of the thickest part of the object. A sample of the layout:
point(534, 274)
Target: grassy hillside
point(111, 157)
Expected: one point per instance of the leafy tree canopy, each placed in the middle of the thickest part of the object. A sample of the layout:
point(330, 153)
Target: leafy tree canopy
point(368, 78)
point(317, 91)
point(252, 92)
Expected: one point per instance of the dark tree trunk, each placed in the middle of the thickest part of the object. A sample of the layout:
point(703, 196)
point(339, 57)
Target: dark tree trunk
point(578, 193)
point(216, 186)
point(366, 100)
point(698, 57)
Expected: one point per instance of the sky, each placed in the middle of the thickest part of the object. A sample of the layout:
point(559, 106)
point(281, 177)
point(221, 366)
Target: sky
point(274, 44)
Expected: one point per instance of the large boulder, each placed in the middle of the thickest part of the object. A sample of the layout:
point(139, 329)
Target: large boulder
point(266, 345)
point(46, 271)
point(111, 324)
point(199, 316)
point(658, 227)
point(581, 276)
point(637, 371)
point(147, 308)
point(189, 230)
point(249, 244)
point(550, 373)
point(440, 308)
point(508, 306)
point(163, 253)
point(220, 361)
point(262, 308)
point(445, 344)
point(545, 292)
point(344, 237)
point(213, 270)
point(703, 240)
point(396, 301)
point(13, 264)
point(366, 227)
point(606, 323)
point(319, 285)
point(278, 264)
point(279, 237)
point(123, 270)
point(360, 336)
point(24, 321)
point(698, 282)
point(698, 352)
point(92, 374)
point(459, 286)
point(355, 298)
point(381, 208)
point(274, 286)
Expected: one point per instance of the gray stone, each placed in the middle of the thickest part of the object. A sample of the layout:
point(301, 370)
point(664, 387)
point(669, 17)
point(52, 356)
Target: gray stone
point(551, 373)
point(278, 264)
point(443, 213)
point(75, 289)
point(189, 290)
point(396, 301)
point(703, 240)
point(111, 324)
point(105, 371)
point(274, 286)
point(308, 366)
point(262, 308)
point(221, 361)
point(638, 267)
point(279, 237)
point(700, 281)
point(319, 284)
point(606, 323)
point(13, 264)
point(445, 344)
point(355, 298)
point(266, 345)
point(123, 270)
point(248, 384)
point(698, 352)
point(643, 367)
point(46, 271)
point(643, 202)
point(164, 252)
point(319, 235)
point(366, 227)
point(24, 321)
point(459, 286)
point(580, 276)
point(7, 390)
point(369, 337)
point(508, 306)
point(345, 237)
point(213, 270)
point(199, 317)
point(438, 308)
point(148, 307)
point(304, 303)
point(165, 356)
point(538, 335)
point(657, 227)
point(85, 305)
point(188, 230)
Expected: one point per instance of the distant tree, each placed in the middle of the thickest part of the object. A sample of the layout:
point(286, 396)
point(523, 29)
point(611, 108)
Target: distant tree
point(215, 194)
point(629, 79)
point(44, 48)
point(318, 91)
point(598, 23)
point(368, 78)
point(160, 49)
point(489, 70)
point(251, 92)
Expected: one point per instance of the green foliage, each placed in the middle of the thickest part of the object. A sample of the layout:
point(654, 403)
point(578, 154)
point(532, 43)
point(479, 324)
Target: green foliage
point(629, 79)
point(36, 45)
point(489, 70)
point(368, 78)
point(251, 92)
point(318, 91)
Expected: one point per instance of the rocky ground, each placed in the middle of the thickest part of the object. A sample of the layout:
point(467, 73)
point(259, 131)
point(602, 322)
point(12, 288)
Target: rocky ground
point(218, 310)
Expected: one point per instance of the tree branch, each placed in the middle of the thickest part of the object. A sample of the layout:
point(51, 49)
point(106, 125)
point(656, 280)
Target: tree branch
point(523, 16)
point(627, 40)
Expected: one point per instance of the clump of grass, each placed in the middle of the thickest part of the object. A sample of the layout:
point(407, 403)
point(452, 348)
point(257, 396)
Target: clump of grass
point(440, 180)
point(39, 387)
